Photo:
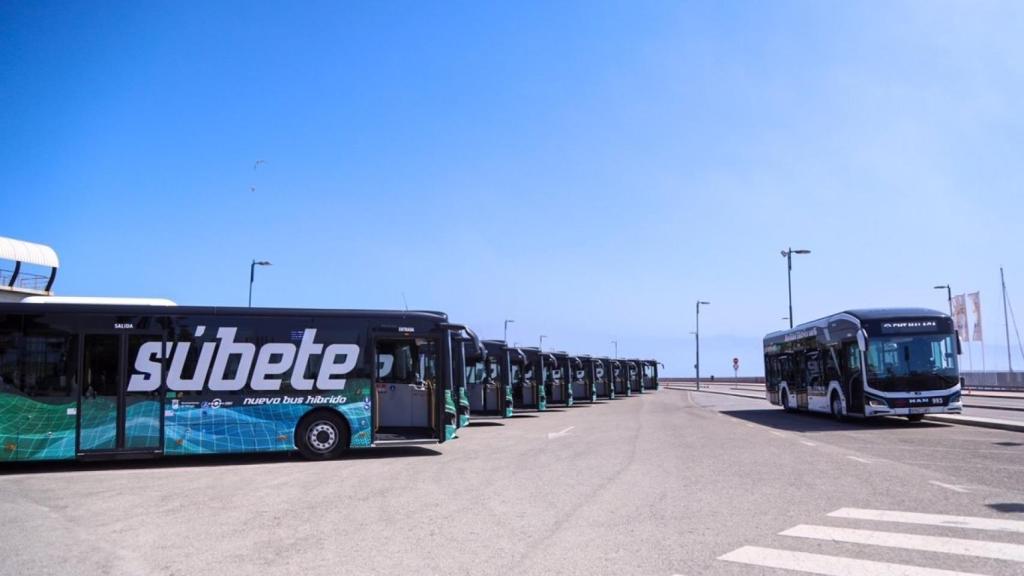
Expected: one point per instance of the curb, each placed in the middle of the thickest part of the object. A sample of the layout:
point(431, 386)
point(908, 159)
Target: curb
point(717, 392)
point(978, 422)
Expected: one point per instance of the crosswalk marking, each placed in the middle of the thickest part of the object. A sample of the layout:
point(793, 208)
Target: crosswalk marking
point(828, 565)
point(961, 546)
point(970, 522)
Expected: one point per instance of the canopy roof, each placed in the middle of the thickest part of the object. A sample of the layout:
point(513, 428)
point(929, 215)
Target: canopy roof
point(28, 252)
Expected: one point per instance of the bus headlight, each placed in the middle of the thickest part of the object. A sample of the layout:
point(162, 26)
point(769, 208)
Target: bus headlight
point(954, 399)
point(876, 403)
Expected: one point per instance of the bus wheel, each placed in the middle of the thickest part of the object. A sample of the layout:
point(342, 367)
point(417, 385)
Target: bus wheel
point(322, 435)
point(785, 401)
point(915, 417)
point(837, 407)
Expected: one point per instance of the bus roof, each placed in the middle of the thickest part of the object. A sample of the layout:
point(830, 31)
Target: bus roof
point(862, 314)
point(151, 309)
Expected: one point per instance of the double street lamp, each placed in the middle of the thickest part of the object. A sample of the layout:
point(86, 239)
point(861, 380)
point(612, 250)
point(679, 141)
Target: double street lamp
point(252, 275)
point(697, 339)
point(788, 255)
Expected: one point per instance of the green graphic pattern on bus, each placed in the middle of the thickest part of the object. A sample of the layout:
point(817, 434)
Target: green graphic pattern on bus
point(450, 415)
point(206, 429)
point(33, 430)
point(463, 408)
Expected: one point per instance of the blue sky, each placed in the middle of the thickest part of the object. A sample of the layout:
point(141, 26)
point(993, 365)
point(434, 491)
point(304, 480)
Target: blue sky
point(588, 169)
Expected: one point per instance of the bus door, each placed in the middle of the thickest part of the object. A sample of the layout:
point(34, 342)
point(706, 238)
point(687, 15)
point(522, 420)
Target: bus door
point(112, 418)
point(407, 387)
point(853, 385)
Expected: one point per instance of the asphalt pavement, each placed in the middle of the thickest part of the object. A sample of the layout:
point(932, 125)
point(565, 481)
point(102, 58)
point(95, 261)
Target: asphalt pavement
point(674, 482)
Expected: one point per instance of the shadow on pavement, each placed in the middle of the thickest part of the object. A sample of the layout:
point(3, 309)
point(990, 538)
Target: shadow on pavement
point(1007, 507)
point(16, 468)
point(484, 423)
point(814, 422)
point(523, 416)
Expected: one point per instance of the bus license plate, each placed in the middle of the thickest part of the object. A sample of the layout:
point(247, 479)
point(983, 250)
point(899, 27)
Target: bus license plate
point(918, 410)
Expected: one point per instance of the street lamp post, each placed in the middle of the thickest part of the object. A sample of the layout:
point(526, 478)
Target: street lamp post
point(788, 255)
point(697, 339)
point(949, 297)
point(252, 275)
point(507, 322)
point(616, 344)
point(540, 345)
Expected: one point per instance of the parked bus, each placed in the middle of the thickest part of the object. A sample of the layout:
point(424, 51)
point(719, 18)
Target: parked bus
point(532, 392)
point(583, 389)
point(123, 380)
point(559, 390)
point(866, 363)
point(603, 378)
point(650, 374)
point(620, 382)
point(466, 352)
point(490, 392)
point(634, 375)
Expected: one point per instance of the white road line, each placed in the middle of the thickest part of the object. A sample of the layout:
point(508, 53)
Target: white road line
point(777, 433)
point(859, 459)
point(552, 435)
point(807, 443)
point(749, 425)
point(952, 487)
point(828, 565)
point(970, 522)
point(961, 546)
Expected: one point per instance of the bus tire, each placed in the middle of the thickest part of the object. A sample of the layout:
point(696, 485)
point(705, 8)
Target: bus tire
point(322, 435)
point(837, 406)
point(915, 417)
point(785, 400)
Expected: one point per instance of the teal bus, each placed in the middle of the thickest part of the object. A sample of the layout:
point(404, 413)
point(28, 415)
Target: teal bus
point(95, 381)
point(559, 390)
point(489, 382)
point(531, 390)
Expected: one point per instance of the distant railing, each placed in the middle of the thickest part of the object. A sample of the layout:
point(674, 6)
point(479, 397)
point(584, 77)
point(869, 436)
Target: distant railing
point(727, 380)
point(993, 380)
point(25, 280)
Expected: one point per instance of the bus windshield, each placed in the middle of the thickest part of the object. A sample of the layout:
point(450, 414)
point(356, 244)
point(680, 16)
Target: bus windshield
point(919, 355)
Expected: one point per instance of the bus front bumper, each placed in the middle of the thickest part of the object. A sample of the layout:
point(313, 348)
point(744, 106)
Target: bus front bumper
point(907, 406)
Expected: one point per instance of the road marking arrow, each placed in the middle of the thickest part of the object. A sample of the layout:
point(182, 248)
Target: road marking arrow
point(553, 435)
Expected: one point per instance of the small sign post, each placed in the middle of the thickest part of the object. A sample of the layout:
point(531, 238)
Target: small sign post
point(735, 368)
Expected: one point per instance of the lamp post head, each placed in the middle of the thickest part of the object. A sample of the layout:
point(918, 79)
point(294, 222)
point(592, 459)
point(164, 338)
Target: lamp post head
point(261, 262)
point(943, 287)
point(704, 302)
point(801, 251)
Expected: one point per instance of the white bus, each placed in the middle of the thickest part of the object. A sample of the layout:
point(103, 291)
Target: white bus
point(880, 362)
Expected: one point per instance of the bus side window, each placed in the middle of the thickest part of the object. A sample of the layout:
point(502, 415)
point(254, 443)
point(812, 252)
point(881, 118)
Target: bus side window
point(399, 356)
point(832, 366)
point(427, 364)
point(852, 357)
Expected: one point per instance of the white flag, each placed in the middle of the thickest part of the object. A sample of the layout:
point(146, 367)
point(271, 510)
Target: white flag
point(960, 317)
point(975, 299)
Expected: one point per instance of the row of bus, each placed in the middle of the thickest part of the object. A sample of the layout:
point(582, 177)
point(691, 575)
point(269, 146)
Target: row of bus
point(98, 378)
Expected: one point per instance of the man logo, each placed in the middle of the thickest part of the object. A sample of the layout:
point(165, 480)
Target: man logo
point(261, 367)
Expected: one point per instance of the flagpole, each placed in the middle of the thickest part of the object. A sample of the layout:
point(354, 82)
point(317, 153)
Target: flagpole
point(1006, 322)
